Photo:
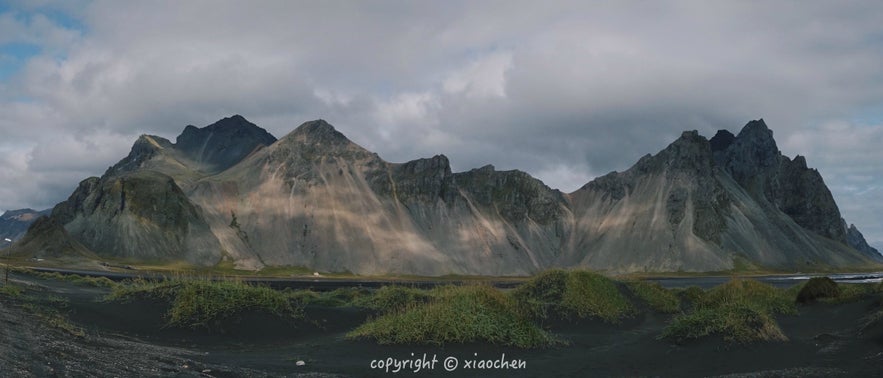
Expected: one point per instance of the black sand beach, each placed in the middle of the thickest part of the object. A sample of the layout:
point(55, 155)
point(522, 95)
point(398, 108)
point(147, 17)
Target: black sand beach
point(131, 339)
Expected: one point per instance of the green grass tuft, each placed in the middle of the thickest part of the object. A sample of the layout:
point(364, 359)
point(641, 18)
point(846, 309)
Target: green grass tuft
point(739, 310)
point(456, 314)
point(739, 322)
point(737, 291)
point(342, 297)
point(657, 297)
point(10, 291)
point(392, 297)
point(572, 294)
point(817, 288)
point(692, 295)
point(853, 291)
point(205, 303)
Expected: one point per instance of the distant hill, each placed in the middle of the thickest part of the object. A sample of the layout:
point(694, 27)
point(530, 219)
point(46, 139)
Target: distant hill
point(14, 223)
point(231, 191)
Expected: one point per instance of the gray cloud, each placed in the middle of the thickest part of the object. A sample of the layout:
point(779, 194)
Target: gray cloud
point(566, 91)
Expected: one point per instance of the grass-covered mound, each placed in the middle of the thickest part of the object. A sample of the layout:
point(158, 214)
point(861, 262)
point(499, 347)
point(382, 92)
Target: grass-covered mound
point(206, 303)
point(392, 297)
point(740, 310)
point(456, 314)
point(817, 288)
point(572, 294)
point(657, 297)
point(341, 297)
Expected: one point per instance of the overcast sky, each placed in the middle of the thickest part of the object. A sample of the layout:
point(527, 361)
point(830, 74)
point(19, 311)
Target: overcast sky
point(566, 91)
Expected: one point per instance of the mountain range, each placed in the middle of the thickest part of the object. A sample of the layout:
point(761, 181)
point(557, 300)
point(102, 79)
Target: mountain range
point(231, 192)
point(14, 223)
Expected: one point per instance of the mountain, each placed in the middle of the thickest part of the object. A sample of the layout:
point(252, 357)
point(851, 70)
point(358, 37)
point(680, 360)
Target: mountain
point(855, 239)
point(14, 223)
point(138, 208)
point(231, 192)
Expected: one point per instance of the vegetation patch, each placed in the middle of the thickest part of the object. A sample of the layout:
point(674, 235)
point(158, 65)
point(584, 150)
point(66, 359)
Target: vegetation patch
point(54, 319)
point(393, 297)
point(852, 292)
point(73, 278)
point(46, 308)
point(342, 297)
point(739, 310)
point(206, 303)
point(735, 322)
point(692, 295)
point(657, 297)
point(572, 294)
point(10, 291)
point(817, 288)
point(456, 314)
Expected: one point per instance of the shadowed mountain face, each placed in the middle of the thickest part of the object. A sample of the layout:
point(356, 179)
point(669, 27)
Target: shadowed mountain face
point(222, 144)
point(314, 198)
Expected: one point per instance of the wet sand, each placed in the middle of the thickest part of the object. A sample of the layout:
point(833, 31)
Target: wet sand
point(129, 339)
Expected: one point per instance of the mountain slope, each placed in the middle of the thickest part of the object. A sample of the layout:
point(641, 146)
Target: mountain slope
point(14, 223)
point(314, 198)
point(139, 209)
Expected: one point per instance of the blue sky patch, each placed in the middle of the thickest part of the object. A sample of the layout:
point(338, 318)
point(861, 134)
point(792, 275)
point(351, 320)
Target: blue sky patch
point(13, 57)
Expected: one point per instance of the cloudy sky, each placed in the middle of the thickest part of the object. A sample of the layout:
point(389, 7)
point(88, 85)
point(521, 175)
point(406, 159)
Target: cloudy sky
point(564, 90)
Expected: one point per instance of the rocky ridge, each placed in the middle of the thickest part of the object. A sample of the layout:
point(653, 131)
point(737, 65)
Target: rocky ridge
point(230, 191)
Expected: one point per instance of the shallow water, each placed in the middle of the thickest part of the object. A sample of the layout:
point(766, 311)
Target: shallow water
point(778, 281)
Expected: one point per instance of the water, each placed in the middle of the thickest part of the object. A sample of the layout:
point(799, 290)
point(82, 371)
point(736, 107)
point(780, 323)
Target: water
point(778, 281)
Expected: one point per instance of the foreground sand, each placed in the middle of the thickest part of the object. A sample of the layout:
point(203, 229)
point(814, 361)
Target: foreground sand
point(129, 339)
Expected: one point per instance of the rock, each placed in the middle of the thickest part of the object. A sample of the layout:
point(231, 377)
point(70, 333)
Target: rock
point(145, 148)
point(316, 199)
point(515, 194)
point(754, 161)
point(220, 145)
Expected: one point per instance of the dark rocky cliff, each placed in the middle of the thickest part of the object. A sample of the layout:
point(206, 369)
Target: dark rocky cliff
point(314, 198)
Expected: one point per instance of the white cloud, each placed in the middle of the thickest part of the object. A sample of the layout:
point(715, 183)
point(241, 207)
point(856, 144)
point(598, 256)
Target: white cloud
point(404, 112)
point(35, 29)
point(485, 77)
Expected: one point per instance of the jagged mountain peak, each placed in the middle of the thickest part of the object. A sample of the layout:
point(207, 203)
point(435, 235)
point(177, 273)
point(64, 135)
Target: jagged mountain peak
point(436, 163)
point(152, 142)
point(318, 131)
point(689, 144)
point(752, 152)
point(756, 142)
point(223, 143)
point(514, 193)
point(315, 139)
point(690, 153)
point(316, 199)
point(144, 149)
point(855, 239)
point(233, 125)
point(721, 140)
point(235, 121)
point(757, 125)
